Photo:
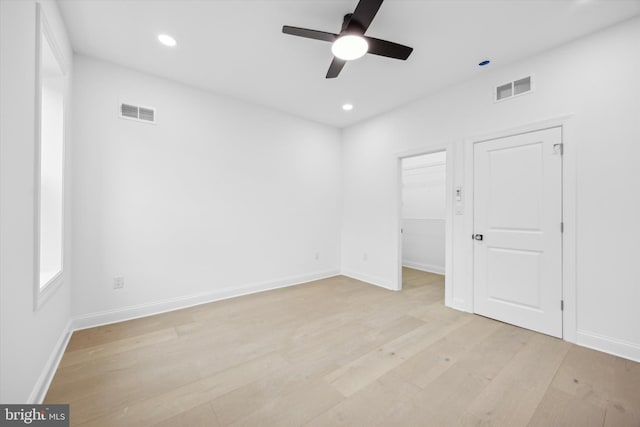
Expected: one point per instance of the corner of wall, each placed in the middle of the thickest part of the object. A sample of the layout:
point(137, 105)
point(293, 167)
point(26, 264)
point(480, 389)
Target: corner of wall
point(43, 382)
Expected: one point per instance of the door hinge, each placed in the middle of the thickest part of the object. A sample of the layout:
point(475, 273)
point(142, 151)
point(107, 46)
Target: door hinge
point(561, 305)
point(558, 148)
point(562, 227)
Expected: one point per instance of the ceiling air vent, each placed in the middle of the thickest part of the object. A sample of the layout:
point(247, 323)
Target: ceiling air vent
point(515, 88)
point(142, 114)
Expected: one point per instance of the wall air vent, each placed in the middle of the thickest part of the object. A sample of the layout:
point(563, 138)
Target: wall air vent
point(512, 89)
point(141, 114)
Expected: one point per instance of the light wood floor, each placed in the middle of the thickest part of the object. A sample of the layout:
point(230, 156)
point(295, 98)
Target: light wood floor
point(339, 352)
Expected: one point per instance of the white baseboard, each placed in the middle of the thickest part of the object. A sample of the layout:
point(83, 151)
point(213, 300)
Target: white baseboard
point(617, 347)
point(377, 281)
point(429, 268)
point(459, 305)
point(106, 317)
point(46, 376)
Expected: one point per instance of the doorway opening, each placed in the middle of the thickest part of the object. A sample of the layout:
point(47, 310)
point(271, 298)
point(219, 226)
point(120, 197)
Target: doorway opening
point(423, 222)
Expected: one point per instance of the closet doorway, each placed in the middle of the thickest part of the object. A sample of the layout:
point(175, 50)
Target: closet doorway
point(423, 217)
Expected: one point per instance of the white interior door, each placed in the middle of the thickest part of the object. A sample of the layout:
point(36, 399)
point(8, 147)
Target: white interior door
point(517, 216)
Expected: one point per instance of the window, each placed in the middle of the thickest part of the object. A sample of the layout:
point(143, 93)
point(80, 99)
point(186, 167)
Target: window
point(49, 162)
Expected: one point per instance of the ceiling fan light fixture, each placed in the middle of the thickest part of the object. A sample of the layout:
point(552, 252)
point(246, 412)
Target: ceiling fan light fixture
point(349, 47)
point(167, 40)
point(351, 43)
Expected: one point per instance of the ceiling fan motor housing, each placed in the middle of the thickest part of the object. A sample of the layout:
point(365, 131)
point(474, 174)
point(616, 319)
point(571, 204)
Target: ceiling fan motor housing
point(351, 26)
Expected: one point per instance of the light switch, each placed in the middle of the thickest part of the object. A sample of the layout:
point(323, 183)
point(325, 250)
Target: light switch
point(458, 194)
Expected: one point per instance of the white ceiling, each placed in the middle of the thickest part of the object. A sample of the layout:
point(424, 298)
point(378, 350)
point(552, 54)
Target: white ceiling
point(235, 47)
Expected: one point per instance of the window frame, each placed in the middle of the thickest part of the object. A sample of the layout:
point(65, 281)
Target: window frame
point(44, 31)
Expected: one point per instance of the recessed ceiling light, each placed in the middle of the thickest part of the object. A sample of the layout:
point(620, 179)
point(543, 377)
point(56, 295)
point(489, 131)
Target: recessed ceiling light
point(167, 40)
point(484, 63)
point(349, 47)
point(347, 107)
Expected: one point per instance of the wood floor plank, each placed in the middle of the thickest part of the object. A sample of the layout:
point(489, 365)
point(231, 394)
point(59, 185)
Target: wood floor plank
point(352, 377)
point(338, 351)
point(603, 380)
point(561, 409)
point(439, 404)
point(425, 366)
point(447, 395)
point(617, 415)
point(294, 409)
point(265, 392)
point(386, 397)
point(317, 363)
point(187, 397)
point(117, 331)
point(513, 395)
point(200, 416)
point(81, 355)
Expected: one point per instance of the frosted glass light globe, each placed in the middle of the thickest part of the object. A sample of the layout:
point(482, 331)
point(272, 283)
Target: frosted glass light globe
point(167, 40)
point(349, 47)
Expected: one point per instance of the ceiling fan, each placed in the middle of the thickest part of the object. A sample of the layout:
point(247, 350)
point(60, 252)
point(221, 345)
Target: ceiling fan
point(351, 43)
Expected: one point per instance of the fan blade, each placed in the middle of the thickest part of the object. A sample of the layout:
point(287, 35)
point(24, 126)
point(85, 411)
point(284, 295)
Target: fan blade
point(388, 49)
point(336, 66)
point(363, 15)
point(310, 34)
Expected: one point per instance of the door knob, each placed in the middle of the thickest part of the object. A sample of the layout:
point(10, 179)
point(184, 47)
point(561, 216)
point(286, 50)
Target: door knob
point(478, 236)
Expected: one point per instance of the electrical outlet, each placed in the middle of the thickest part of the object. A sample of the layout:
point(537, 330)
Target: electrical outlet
point(317, 256)
point(118, 282)
point(365, 257)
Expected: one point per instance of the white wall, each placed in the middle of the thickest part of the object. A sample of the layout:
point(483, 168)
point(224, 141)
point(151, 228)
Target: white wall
point(218, 198)
point(29, 340)
point(596, 78)
point(423, 212)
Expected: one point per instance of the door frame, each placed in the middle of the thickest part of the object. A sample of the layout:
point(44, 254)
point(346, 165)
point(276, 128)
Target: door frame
point(569, 193)
point(449, 149)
